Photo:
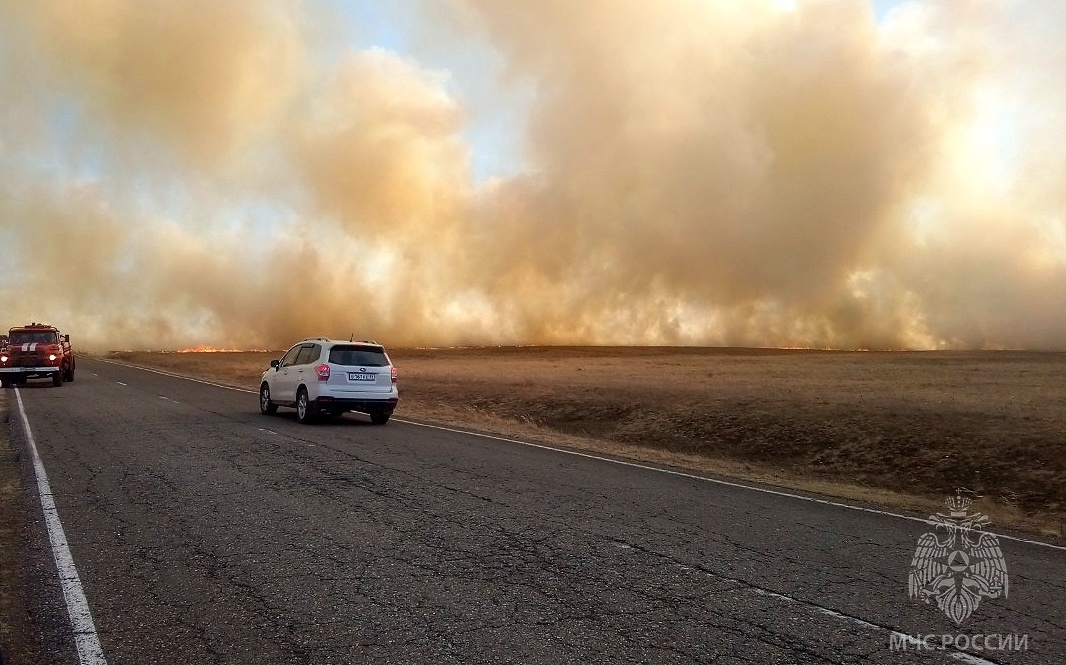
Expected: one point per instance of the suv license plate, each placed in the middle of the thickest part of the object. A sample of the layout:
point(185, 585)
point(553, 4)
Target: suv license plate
point(357, 376)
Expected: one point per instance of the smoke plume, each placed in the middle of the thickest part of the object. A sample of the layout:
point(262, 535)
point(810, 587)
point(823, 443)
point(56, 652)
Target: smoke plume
point(230, 173)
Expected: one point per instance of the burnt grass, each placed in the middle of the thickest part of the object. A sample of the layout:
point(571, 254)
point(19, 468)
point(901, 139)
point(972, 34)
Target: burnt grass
point(919, 423)
point(918, 451)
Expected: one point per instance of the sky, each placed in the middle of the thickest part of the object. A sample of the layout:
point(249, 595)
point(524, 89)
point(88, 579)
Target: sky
point(806, 173)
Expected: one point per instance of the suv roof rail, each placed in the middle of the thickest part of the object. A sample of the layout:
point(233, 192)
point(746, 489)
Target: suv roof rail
point(330, 339)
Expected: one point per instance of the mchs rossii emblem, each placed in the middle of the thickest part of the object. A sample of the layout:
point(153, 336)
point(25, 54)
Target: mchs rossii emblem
point(958, 563)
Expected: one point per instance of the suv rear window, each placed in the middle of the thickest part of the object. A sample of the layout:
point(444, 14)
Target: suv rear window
point(366, 356)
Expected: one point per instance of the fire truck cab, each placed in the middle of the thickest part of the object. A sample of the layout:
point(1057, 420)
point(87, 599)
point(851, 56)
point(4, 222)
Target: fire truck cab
point(36, 351)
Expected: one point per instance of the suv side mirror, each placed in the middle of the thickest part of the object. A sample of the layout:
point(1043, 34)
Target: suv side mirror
point(275, 363)
point(66, 338)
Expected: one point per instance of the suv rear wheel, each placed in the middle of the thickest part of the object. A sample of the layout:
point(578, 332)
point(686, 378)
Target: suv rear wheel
point(379, 417)
point(305, 413)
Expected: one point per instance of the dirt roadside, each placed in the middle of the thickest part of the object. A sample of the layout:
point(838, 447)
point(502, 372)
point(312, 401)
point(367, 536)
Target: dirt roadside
point(899, 429)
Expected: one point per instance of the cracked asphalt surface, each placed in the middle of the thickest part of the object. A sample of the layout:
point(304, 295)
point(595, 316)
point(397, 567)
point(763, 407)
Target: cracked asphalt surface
point(205, 532)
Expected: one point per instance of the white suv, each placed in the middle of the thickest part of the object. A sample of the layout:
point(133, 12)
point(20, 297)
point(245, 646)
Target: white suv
point(330, 377)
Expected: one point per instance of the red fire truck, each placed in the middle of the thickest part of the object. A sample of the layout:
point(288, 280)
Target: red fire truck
point(36, 351)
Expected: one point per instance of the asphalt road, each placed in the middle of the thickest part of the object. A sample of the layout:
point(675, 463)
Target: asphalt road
point(204, 532)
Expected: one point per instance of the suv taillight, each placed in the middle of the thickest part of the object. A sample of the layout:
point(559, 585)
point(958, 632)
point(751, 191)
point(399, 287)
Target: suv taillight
point(394, 375)
point(322, 371)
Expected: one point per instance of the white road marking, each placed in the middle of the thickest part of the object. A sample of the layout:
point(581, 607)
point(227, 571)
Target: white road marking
point(169, 399)
point(88, 643)
point(646, 467)
point(286, 436)
point(120, 383)
point(177, 376)
point(961, 656)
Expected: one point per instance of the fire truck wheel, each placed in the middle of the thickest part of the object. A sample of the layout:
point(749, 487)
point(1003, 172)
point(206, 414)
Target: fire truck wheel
point(57, 379)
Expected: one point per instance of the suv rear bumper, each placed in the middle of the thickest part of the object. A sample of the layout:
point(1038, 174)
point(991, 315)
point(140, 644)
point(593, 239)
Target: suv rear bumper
point(326, 403)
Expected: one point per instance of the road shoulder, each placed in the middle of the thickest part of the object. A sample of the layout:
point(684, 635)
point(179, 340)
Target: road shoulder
point(17, 626)
point(33, 621)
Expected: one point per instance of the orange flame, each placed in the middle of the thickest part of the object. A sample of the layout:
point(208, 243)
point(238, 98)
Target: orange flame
point(207, 349)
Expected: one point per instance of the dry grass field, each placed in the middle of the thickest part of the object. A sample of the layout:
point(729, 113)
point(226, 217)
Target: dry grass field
point(899, 428)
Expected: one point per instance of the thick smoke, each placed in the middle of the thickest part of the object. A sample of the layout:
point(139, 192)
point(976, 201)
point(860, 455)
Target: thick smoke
point(695, 172)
